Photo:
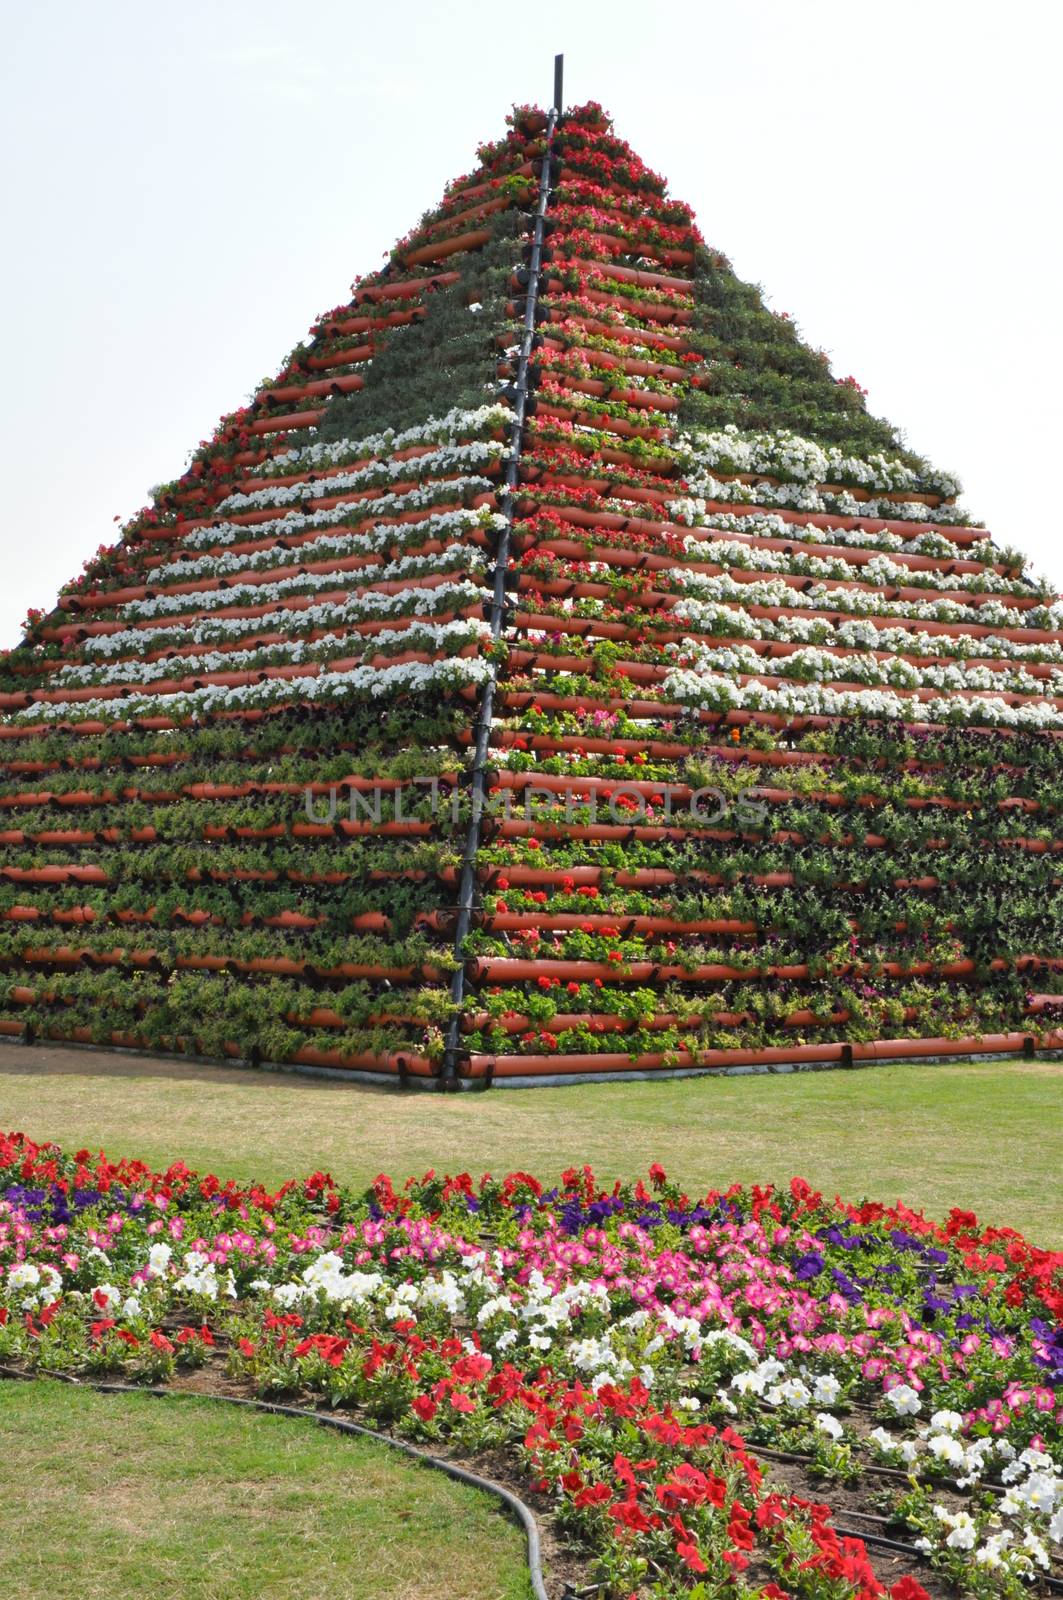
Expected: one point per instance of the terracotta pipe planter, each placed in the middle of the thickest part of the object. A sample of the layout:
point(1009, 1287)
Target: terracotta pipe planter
point(204, 963)
point(275, 966)
point(504, 969)
point(339, 358)
point(512, 920)
point(395, 1062)
point(292, 919)
point(602, 1022)
point(467, 191)
point(318, 387)
point(442, 248)
point(603, 1062)
point(645, 280)
point(408, 290)
point(603, 422)
point(905, 1049)
point(351, 969)
point(289, 422)
point(516, 1066)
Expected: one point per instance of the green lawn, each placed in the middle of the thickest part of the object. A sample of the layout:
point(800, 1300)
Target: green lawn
point(988, 1136)
point(182, 1500)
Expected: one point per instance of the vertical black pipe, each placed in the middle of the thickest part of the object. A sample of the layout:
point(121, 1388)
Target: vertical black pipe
point(448, 1075)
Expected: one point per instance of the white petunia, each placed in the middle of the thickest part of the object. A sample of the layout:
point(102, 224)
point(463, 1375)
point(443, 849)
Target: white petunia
point(904, 1400)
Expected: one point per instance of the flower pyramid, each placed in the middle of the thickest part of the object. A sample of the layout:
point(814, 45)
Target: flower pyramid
point(556, 669)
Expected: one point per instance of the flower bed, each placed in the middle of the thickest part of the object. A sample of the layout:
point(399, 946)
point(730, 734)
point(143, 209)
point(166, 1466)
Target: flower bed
point(686, 1386)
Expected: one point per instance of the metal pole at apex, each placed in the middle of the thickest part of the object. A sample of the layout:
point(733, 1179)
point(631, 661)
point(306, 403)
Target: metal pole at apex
point(559, 76)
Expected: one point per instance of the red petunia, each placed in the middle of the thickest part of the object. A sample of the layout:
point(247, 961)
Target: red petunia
point(907, 1588)
point(688, 1553)
point(424, 1407)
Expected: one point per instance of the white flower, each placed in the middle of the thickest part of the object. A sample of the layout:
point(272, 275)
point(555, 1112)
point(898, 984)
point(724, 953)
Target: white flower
point(131, 1306)
point(947, 1421)
point(689, 1402)
point(159, 1257)
point(106, 1296)
point(829, 1425)
point(991, 1553)
point(23, 1276)
point(946, 1448)
point(1037, 1550)
point(826, 1388)
point(1041, 1491)
point(793, 1392)
point(904, 1400)
point(963, 1532)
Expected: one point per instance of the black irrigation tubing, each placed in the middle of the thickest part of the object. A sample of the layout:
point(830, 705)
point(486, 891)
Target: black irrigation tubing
point(449, 1068)
point(865, 1466)
point(340, 1425)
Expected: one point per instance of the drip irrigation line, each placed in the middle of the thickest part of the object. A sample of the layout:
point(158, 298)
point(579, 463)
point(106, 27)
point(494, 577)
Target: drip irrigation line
point(339, 1425)
point(865, 1466)
point(478, 774)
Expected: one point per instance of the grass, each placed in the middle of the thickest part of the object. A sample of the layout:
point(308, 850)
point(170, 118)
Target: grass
point(986, 1136)
point(183, 1500)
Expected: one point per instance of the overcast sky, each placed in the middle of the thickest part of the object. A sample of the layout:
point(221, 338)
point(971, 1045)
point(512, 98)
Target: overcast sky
point(187, 184)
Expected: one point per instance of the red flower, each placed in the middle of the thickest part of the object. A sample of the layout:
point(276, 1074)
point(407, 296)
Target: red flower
point(462, 1402)
point(594, 1494)
point(247, 1348)
point(424, 1407)
point(471, 1369)
point(689, 1554)
point(738, 1529)
point(658, 1176)
point(907, 1588)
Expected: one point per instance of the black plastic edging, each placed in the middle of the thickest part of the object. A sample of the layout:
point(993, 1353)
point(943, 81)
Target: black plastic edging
point(339, 1425)
point(448, 1074)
